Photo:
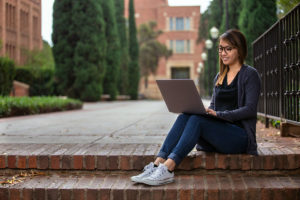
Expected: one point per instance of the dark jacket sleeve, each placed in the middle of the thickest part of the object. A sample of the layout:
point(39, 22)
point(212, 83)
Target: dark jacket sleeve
point(251, 84)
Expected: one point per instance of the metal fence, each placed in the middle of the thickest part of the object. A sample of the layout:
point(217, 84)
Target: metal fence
point(276, 55)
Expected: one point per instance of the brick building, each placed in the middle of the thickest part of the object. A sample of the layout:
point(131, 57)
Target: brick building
point(180, 31)
point(20, 28)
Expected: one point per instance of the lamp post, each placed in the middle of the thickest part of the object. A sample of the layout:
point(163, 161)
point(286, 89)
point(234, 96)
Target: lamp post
point(214, 33)
point(199, 69)
point(204, 56)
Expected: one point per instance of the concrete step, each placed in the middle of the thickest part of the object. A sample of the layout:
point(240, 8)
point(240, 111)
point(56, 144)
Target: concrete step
point(275, 156)
point(115, 186)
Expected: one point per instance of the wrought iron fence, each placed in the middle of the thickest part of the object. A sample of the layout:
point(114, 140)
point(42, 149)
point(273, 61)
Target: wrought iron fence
point(276, 55)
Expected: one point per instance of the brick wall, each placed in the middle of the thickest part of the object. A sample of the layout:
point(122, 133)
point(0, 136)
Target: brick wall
point(19, 89)
point(20, 28)
point(162, 13)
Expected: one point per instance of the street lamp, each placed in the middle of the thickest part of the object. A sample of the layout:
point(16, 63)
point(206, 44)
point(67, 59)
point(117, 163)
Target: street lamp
point(204, 56)
point(208, 44)
point(214, 32)
point(200, 67)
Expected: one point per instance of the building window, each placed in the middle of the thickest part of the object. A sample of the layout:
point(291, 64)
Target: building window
point(187, 23)
point(171, 46)
point(180, 72)
point(24, 22)
point(171, 24)
point(188, 46)
point(179, 23)
point(35, 27)
point(179, 46)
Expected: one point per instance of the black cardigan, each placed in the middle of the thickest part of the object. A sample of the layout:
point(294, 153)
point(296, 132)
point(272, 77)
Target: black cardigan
point(249, 85)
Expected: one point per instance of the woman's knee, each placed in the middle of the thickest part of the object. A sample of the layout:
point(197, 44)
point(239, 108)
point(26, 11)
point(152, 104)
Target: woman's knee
point(183, 116)
point(196, 118)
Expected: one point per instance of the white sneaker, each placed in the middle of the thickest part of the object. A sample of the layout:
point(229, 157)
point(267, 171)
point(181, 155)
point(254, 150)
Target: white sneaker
point(148, 170)
point(160, 176)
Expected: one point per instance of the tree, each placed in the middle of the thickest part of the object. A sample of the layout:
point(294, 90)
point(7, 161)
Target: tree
point(213, 13)
point(64, 42)
point(203, 27)
point(38, 71)
point(112, 50)
point(234, 7)
point(124, 57)
point(90, 50)
point(284, 6)
point(255, 18)
point(40, 58)
point(7, 74)
point(134, 74)
point(150, 49)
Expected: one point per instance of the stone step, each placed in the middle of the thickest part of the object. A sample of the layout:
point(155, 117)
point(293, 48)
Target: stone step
point(118, 186)
point(136, 156)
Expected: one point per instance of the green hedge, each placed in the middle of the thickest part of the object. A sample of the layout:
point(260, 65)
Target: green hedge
point(40, 79)
point(7, 74)
point(16, 106)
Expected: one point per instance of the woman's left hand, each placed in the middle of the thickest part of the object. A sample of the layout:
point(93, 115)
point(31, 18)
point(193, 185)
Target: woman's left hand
point(211, 112)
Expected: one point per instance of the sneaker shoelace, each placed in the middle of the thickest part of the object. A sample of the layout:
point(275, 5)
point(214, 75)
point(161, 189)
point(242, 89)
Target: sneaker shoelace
point(148, 167)
point(158, 173)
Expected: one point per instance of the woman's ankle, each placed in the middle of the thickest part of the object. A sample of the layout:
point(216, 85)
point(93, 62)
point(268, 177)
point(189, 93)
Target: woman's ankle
point(159, 160)
point(170, 164)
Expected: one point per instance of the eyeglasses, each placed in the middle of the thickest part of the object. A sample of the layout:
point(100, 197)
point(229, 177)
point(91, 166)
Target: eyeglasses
point(227, 49)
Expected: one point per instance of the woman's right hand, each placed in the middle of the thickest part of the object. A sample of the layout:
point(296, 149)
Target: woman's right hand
point(211, 112)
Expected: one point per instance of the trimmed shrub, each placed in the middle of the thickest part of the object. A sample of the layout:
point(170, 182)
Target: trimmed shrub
point(7, 74)
point(16, 106)
point(40, 79)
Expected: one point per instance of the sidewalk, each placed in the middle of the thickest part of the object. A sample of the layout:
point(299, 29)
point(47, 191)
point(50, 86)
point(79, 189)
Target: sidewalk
point(125, 136)
point(100, 147)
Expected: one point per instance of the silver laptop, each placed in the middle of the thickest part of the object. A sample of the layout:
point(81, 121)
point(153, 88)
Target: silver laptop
point(181, 96)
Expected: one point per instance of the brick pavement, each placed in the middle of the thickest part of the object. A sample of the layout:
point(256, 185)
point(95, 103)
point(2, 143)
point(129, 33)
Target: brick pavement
point(120, 138)
point(185, 187)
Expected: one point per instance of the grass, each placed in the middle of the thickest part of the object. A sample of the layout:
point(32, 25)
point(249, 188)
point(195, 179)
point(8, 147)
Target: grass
point(16, 106)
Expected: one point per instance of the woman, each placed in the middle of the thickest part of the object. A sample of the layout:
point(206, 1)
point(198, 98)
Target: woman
point(235, 97)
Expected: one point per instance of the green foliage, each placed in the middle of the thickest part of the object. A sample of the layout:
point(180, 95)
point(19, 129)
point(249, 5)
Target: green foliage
point(113, 49)
point(284, 6)
point(134, 74)
point(79, 48)
point(15, 106)
point(38, 71)
point(150, 49)
point(40, 58)
point(234, 8)
point(40, 79)
point(252, 17)
point(64, 39)
point(7, 74)
point(214, 18)
point(89, 52)
point(203, 27)
point(133, 79)
point(255, 18)
point(124, 57)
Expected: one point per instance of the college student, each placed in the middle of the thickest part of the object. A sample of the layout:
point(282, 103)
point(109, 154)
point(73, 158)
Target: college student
point(235, 97)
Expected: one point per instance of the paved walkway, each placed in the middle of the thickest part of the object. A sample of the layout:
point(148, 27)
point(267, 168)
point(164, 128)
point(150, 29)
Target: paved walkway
point(91, 153)
point(122, 136)
point(105, 122)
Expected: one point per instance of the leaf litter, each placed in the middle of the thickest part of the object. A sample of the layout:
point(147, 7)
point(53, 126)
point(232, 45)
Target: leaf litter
point(18, 178)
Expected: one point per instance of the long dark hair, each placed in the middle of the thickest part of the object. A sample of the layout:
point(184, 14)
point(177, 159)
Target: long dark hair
point(238, 41)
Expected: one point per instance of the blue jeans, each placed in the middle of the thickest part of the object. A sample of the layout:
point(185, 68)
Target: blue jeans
point(212, 135)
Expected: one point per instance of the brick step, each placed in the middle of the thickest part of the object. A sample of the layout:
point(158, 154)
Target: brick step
point(136, 156)
point(118, 186)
